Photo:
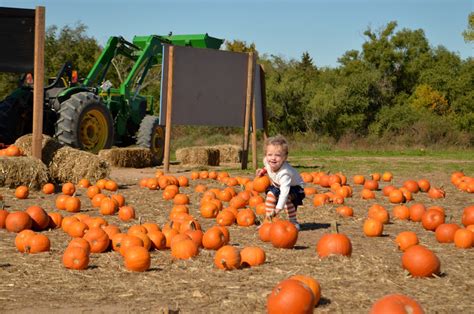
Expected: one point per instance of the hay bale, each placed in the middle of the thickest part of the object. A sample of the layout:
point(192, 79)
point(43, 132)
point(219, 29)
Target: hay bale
point(49, 146)
point(229, 153)
point(29, 171)
point(71, 165)
point(198, 155)
point(132, 157)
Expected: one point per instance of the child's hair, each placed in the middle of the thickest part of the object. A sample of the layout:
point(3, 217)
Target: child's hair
point(277, 140)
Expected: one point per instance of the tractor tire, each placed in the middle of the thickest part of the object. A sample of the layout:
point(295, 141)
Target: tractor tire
point(152, 135)
point(85, 123)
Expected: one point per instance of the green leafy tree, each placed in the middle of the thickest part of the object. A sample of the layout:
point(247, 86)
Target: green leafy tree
point(468, 34)
point(70, 44)
point(239, 46)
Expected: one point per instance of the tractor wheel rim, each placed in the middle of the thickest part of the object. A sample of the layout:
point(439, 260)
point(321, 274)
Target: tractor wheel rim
point(93, 131)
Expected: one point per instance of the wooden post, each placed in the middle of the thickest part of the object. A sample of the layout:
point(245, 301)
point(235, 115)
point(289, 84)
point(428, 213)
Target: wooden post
point(169, 107)
point(263, 92)
point(254, 134)
point(38, 87)
point(248, 107)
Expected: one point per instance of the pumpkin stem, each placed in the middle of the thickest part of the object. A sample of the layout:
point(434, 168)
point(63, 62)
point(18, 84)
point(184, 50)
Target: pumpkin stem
point(140, 220)
point(334, 225)
point(2, 205)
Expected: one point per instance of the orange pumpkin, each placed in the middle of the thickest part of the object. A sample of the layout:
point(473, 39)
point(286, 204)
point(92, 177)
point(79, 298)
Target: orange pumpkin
point(68, 188)
point(22, 238)
point(420, 261)
point(406, 239)
point(213, 239)
point(396, 303)
point(75, 258)
point(373, 227)
point(291, 296)
point(22, 192)
point(126, 213)
point(334, 244)
point(184, 249)
point(283, 234)
point(48, 188)
point(37, 243)
point(39, 217)
point(445, 232)
point(252, 256)
point(464, 238)
point(227, 258)
point(246, 217)
point(98, 239)
point(312, 283)
point(18, 221)
point(260, 184)
point(137, 258)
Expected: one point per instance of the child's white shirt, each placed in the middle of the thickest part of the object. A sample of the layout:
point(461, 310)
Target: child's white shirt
point(285, 177)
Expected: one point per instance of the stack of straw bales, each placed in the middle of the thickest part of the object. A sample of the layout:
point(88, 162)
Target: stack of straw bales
point(59, 163)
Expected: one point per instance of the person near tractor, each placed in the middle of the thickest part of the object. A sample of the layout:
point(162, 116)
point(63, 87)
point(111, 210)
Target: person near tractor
point(286, 188)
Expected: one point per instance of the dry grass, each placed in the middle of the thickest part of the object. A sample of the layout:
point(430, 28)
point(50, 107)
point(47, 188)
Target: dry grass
point(38, 283)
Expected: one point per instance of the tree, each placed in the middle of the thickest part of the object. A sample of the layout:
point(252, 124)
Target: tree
point(70, 44)
point(468, 34)
point(239, 46)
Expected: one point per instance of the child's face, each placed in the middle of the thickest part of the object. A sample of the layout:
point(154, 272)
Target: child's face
point(275, 157)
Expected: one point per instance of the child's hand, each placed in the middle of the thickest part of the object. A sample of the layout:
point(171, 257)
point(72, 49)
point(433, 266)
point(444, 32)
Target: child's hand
point(260, 172)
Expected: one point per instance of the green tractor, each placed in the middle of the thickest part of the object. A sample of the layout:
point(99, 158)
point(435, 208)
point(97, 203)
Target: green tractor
point(94, 115)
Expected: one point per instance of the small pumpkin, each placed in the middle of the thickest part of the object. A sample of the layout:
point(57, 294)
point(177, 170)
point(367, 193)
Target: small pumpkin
point(312, 283)
point(283, 234)
point(334, 244)
point(420, 261)
point(22, 238)
point(406, 239)
point(37, 243)
point(227, 258)
point(445, 232)
point(246, 217)
point(260, 184)
point(126, 213)
point(68, 188)
point(464, 238)
point(184, 249)
point(22, 192)
point(75, 258)
point(373, 227)
point(39, 217)
point(431, 219)
point(290, 296)
point(396, 303)
point(48, 188)
point(98, 239)
point(137, 258)
point(213, 238)
point(251, 256)
point(18, 221)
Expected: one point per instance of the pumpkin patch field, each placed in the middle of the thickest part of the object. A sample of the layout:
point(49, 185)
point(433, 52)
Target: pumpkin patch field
point(192, 241)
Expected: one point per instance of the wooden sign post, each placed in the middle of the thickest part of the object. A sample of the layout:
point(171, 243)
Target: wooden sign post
point(169, 106)
point(38, 87)
point(248, 109)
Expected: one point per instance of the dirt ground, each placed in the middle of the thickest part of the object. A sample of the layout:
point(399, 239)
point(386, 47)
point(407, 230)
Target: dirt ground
point(38, 283)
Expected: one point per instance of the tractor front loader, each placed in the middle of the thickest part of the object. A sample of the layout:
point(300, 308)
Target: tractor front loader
point(95, 115)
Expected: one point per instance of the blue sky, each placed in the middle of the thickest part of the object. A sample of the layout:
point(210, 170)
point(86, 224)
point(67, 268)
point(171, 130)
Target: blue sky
point(326, 29)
